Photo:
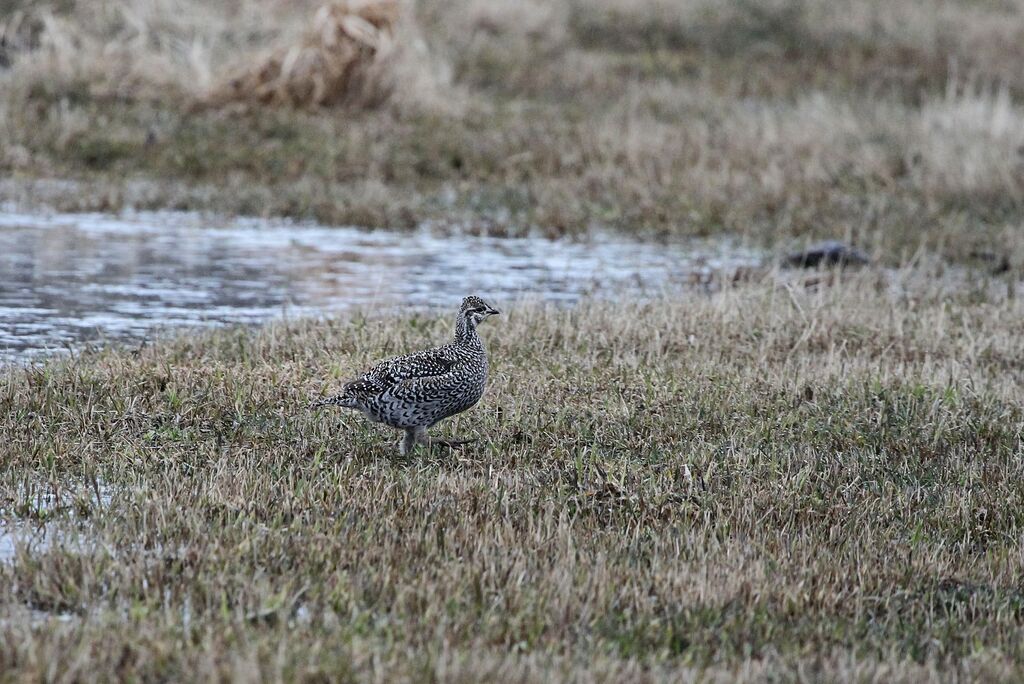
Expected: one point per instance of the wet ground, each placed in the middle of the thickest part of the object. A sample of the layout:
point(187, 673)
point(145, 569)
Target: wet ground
point(70, 279)
point(47, 518)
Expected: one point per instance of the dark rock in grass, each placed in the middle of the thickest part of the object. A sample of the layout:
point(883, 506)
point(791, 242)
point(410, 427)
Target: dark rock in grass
point(827, 253)
point(999, 262)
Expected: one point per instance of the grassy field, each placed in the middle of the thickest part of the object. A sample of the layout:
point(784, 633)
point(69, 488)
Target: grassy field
point(797, 478)
point(895, 125)
point(772, 482)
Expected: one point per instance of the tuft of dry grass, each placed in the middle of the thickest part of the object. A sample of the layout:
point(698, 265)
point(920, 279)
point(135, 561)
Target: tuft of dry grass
point(771, 483)
point(350, 56)
point(328, 67)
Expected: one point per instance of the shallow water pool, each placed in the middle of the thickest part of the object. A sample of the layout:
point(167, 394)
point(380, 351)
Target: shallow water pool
point(68, 279)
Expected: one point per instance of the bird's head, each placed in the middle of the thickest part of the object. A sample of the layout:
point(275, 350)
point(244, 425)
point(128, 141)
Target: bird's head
point(475, 309)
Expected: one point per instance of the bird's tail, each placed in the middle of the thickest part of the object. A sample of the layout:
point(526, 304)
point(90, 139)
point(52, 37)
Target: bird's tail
point(353, 395)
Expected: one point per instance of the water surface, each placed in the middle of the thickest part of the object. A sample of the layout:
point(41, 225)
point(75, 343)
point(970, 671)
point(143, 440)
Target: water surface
point(69, 279)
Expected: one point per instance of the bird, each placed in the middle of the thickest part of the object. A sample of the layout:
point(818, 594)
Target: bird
point(416, 391)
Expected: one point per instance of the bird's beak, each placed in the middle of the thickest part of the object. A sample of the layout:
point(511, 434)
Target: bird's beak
point(493, 312)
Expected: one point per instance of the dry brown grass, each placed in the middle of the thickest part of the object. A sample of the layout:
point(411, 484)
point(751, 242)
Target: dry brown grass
point(352, 55)
point(328, 67)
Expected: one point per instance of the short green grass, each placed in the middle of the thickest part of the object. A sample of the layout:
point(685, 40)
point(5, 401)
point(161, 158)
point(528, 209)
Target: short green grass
point(775, 482)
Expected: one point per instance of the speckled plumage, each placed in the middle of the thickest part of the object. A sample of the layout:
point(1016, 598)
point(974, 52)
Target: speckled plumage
point(416, 391)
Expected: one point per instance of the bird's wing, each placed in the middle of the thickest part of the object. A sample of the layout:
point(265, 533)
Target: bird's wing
point(424, 364)
point(426, 386)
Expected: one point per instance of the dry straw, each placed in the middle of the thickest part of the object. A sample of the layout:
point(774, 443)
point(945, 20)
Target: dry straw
point(343, 59)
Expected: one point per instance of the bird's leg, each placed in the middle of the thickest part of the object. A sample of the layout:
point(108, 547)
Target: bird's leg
point(451, 443)
point(421, 436)
point(409, 441)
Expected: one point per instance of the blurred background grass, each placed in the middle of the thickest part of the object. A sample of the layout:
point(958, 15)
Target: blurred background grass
point(894, 125)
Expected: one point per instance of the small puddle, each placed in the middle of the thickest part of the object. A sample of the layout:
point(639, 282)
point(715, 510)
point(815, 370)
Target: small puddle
point(37, 522)
point(50, 521)
point(67, 279)
point(34, 536)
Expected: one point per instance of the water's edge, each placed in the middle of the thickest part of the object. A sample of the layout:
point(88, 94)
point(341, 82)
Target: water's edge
point(69, 279)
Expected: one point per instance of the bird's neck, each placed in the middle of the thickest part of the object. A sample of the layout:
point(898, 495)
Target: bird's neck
point(465, 332)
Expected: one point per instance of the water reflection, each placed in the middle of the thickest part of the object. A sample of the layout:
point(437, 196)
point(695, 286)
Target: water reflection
point(66, 279)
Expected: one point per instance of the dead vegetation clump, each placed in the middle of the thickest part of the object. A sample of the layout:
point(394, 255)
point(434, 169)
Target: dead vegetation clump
point(349, 56)
point(356, 53)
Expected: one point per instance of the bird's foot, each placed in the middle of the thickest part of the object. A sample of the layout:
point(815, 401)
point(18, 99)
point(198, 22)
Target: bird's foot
point(451, 443)
point(418, 437)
